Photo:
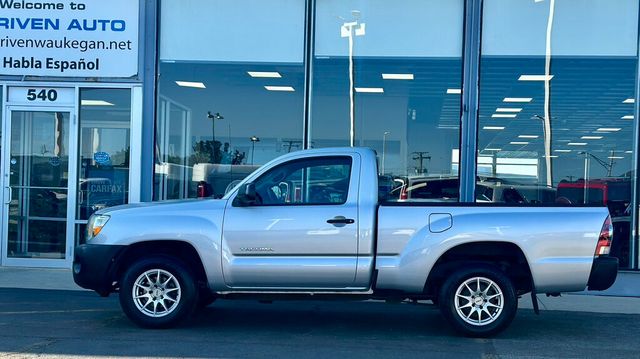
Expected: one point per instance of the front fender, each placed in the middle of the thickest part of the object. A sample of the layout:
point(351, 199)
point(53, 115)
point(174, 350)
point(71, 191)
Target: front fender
point(198, 223)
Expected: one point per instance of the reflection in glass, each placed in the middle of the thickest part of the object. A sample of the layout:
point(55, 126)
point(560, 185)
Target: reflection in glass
point(394, 86)
point(81, 230)
point(105, 134)
point(556, 106)
point(1, 107)
point(213, 100)
point(38, 178)
point(318, 181)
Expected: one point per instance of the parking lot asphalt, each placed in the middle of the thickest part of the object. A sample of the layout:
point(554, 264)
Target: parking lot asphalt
point(622, 298)
point(63, 324)
point(38, 320)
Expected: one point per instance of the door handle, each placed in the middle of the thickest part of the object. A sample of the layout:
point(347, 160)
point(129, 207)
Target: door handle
point(9, 194)
point(340, 220)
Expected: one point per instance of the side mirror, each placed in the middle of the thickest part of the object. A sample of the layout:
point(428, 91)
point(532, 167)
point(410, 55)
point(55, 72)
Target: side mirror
point(247, 195)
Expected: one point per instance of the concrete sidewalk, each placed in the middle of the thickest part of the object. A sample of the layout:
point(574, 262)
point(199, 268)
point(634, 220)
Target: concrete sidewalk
point(622, 298)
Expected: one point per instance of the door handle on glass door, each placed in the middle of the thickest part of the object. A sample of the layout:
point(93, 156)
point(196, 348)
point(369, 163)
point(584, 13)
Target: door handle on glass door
point(340, 220)
point(9, 193)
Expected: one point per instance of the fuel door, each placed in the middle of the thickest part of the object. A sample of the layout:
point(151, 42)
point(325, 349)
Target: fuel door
point(440, 222)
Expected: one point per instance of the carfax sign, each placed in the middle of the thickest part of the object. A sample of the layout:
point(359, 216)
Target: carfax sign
point(84, 38)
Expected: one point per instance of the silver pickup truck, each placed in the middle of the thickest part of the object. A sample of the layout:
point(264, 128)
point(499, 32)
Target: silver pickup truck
point(310, 224)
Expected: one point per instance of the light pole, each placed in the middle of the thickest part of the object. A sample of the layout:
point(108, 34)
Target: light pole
point(253, 139)
point(384, 148)
point(213, 117)
point(350, 29)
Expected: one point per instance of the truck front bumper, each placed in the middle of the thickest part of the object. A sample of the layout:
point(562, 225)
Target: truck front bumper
point(603, 273)
point(94, 266)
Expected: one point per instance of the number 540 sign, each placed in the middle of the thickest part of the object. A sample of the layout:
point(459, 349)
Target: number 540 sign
point(41, 96)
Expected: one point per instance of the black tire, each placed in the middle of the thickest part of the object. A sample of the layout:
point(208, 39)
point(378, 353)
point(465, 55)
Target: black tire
point(482, 318)
point(179, 296)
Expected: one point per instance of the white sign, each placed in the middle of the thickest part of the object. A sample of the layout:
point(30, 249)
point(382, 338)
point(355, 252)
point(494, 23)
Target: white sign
point(79, 38)
point(41, 96)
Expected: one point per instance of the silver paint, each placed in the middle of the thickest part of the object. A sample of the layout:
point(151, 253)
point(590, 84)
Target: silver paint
point(307, 254)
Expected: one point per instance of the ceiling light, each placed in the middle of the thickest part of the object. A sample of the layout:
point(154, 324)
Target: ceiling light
point(454, 91)
point(608, 129)
point(198, 85)
point(577, 143)
point(565, 151)
point(370, 89)
point(493, 128)
point(280, 88)
point(615, 157)
point(397, 76)
point(627, 117)
point(528, 136)
point(629, 100)
point(591, 137)
point(503, 115)
point(506, 109)
point(517, 99)
point(95, 103)
point(268, 74)
point(550, 156)
point(492, 149)
point(519, 143)
point(628, 151)
point(535, 77)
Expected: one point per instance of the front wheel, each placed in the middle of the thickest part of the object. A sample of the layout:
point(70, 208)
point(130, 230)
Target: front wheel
point(158, 292)
point(478, 301)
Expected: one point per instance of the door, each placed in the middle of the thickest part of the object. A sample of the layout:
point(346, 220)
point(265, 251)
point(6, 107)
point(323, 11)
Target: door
point(66, 153)
point(37, 173)
point(302, 233)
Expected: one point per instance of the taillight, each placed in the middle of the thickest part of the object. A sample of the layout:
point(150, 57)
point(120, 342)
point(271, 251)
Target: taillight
point(606, 236)
point(404, 194)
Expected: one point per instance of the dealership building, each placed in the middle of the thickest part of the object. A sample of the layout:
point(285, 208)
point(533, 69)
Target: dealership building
point(499, 102)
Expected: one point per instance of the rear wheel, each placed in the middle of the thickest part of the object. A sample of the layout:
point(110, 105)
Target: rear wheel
point(158, 292)
point(478, 301)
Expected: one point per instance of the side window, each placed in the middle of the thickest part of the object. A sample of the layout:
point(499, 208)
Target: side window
point(315, 181)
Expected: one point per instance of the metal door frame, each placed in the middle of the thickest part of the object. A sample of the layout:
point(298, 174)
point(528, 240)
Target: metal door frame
point(71, 195)
point(135, 164)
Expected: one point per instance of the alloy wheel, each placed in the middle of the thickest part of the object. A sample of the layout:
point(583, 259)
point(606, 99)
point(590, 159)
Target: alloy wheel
point(156, 293)
point(479, 301)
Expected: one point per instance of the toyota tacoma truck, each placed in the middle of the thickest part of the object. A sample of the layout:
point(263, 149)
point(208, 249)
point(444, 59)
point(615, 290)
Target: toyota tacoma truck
point(310, 224)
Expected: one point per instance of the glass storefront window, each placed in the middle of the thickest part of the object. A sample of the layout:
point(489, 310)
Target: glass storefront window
point(1, 124)
point(105, 136)
point(556, 106)
point(387, 75)
point(231, 88)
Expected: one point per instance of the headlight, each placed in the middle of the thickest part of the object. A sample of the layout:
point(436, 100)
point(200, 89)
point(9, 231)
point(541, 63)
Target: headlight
point(95, 225)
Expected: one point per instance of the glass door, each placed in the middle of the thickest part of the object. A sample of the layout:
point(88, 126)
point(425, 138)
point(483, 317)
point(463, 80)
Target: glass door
point(37, 200)
point(64, 156)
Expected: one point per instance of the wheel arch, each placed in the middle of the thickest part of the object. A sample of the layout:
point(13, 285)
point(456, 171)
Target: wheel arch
point(506, 256)
point(183, 251)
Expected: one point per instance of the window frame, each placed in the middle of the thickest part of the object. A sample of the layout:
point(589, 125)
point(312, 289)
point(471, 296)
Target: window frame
point(349, 160)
